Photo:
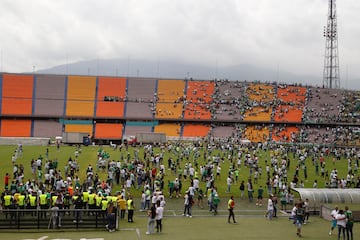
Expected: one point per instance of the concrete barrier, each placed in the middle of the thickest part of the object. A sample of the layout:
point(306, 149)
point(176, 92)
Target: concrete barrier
point(25, 141)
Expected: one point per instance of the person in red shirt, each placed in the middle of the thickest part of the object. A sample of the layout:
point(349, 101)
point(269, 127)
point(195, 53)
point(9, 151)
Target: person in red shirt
point(6, 180)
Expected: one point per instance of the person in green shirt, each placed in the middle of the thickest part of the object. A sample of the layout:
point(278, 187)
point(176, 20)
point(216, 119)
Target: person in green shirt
point(260, 196)
point(216, 201)
point(349, 223)
point(171, 188)
point(283, 199)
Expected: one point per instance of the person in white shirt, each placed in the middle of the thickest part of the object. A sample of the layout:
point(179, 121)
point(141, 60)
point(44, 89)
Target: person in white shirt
point(159, 216)
point(341, 223)
point(333, 214)
point(270, 208)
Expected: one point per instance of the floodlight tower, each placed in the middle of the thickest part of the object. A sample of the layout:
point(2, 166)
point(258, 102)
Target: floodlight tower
point(331, 75)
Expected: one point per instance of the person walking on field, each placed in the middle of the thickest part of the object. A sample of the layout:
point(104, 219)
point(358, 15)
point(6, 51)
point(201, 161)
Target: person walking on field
point(333, 214)
point(159, 217)
point(151, 220)
point(349, 223)
point(299, 218)
point(341, 223)
point(231, 205)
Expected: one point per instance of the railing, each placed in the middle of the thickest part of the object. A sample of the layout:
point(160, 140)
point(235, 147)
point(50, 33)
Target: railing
point(11, 219)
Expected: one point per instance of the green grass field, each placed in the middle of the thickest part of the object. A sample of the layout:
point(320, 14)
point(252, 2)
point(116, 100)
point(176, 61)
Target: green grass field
point(251, 221)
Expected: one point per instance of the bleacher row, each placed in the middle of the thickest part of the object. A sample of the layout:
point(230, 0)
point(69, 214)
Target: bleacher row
point(113, 107)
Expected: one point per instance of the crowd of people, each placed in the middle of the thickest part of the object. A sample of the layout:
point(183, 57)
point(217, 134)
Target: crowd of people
point(193, 171)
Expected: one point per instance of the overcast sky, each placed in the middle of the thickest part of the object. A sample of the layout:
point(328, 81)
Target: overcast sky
point(284, 34)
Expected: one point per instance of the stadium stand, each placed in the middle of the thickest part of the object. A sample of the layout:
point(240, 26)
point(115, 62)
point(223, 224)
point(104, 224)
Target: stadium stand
point(170, 99)
point(288, 113)
point(49, 95)
point(258, 113)
point(257, 133)
point(141, 98)
point(170, 129)
point(17, 94)
point(285, 134)
point(116, 107)
point(223, 131)
point(111, 96)
point(82, 128)
point(350, 110)
point(291, 102)
point(195, 130)
point(323, 105)
point(47, 128)
point(15, 128)
point(132, 130)
point(108, 131)
point(198, 100)
point(229, 100)
point(80, 100)
point(260, 105)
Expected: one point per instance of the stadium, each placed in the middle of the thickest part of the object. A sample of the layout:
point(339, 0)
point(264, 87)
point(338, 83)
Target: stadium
point(114, 108)
point(119, 156)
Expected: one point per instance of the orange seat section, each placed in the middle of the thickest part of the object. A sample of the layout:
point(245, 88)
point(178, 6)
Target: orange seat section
point(170, 129)
point(260, 92)
point(15, 128)
point(260, 98)
point(80, 96)
point(262, 114)
point(291, 94)
point(170, 99)
point(111, 97)
point(17, 94)
point(198, 99)
point(288, 113)
point(196, 130)
point(257, 133)
point(285, 134)
point(82, 128)
point(292, 102)
point(108, 131)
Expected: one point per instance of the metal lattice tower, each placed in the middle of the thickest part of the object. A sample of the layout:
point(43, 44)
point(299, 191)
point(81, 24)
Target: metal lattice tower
point(331, 76)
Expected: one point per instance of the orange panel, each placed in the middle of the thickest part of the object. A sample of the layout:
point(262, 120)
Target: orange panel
point(108, 131)
point(17, 93)
point(260, 92)
point(114, 88)
point(198, 98)
point(288, 113)
point(196, 130)
point(258, 114)
point(15, 128)
point(257, 134)
point(83, 128)
point(169, 129)
point(292, 94)
point(170, 99)
point(80, 96)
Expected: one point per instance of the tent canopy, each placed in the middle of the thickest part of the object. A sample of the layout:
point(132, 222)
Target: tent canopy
point(319, 196)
